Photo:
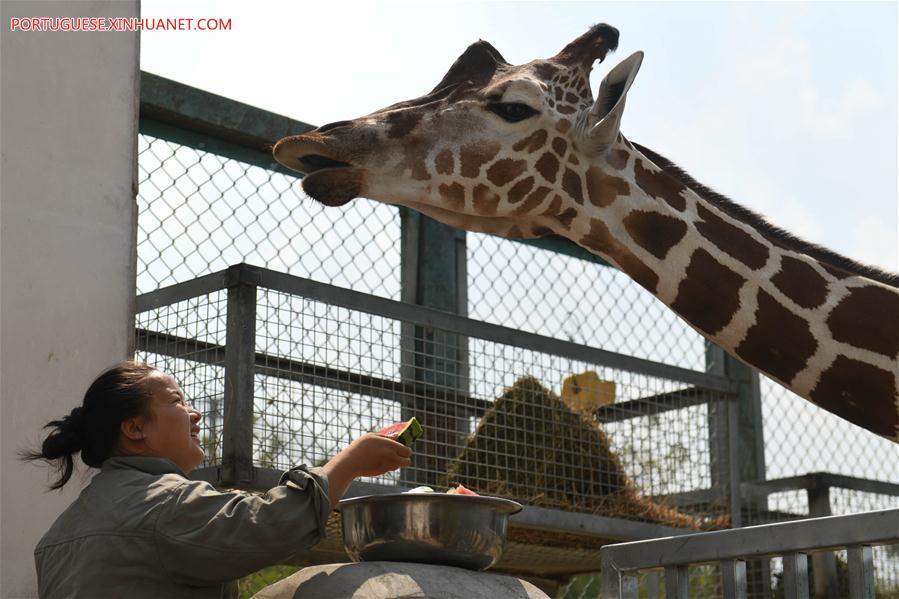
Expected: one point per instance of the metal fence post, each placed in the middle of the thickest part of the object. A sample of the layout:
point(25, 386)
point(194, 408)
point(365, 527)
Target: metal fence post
point(434, 275)
point(824, 563)
point(240, 351)
point(736, 451)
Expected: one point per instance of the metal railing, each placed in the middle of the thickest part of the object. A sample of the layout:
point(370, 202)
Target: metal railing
point(730, 549)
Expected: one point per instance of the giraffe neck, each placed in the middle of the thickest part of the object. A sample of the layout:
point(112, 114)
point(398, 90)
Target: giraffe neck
point(821, 331)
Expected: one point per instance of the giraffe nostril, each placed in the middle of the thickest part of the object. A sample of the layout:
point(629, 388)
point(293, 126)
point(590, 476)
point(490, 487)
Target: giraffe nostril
point(330, 126)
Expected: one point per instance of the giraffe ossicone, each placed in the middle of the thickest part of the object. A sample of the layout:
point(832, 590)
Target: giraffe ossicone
point(526, 151)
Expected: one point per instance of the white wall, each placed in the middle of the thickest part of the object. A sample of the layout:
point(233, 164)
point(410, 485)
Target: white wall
point(67, 216)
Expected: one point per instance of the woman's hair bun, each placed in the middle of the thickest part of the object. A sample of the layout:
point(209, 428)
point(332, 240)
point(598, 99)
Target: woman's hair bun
point(69, 436)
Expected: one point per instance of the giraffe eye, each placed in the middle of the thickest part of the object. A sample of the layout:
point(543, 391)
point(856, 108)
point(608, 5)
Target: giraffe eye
point(511, 111)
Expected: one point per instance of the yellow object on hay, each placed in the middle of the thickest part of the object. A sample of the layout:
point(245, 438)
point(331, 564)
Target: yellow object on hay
point(532, 447)
point(585, 393)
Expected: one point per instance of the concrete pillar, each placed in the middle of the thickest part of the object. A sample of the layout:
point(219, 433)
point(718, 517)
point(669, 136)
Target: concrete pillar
point(68, 116)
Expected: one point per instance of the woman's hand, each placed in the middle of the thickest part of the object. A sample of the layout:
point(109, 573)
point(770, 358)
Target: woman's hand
point(369, 455)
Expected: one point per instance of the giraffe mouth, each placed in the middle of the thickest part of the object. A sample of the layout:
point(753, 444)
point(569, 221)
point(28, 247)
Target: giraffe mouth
point(316, 162)
point(327, 180)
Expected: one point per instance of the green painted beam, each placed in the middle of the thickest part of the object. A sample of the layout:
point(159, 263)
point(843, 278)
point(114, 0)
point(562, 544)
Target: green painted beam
point(211, 123)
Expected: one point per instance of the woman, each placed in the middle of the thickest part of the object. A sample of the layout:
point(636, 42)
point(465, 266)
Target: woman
point(142, 529)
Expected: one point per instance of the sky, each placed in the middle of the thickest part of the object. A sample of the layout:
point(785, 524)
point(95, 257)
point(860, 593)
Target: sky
point(789, 109)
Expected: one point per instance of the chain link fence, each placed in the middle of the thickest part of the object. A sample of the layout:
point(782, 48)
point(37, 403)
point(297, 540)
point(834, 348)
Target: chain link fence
point(200, 212)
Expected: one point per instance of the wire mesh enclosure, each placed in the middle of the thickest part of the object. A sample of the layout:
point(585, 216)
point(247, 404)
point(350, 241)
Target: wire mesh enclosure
point(543, 421)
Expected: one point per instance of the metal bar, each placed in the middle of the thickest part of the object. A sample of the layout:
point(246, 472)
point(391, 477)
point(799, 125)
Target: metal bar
point(648, 406)
point(796, 575)
point(403, 393)
point(824, 563)
point(819, 480)
point(204, 142)
point(419, 315)
point(735, 501)
point(699, 497)
point(425, 396)
point(629, 587)
point(540, 518)
point(653, 585)
point(452, 323)
point(196, 110)
point(615, 585)
point(179, 292)
point(861, 572)
point(677, 582)
point(240, 345)
point(733, 578)
point(869, 528)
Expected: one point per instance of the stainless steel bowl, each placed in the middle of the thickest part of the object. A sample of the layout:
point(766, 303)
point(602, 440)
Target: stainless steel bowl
point(451, 530)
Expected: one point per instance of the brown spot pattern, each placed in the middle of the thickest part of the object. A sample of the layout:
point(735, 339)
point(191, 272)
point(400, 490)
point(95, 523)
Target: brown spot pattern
point(779, 343)
point(515, 232)
point(654, 232)
point(861, 393)
point(800, 282)
point(566, 109)
point(617, 159)
point(520, 189)
point(708, 297)
point(554, 207)
point(533, 200)
point(472, 156)
point(572, 159)
point(566, 217)
point(731, 239)
point(413, 159)
point(563, 126)
point(548, 166)
point(560, 146)
point(444, 162)
point(454, 195)
point(571, 184)
point(851, 321)
point(485, 200)
point(402, 122)
point(602, 189)
point(541, 231)
point(571, 98)
point(600, 240)
point(532, 142)
point(505, 170)
point(660, 185)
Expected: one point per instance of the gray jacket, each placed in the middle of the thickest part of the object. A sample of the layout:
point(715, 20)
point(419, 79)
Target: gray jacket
point(142, 529)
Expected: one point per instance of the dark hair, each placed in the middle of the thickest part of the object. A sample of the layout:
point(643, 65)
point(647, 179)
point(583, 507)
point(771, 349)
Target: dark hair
point(116, 395)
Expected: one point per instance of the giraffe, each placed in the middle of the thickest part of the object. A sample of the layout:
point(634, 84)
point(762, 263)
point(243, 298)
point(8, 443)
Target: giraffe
point(526, 151)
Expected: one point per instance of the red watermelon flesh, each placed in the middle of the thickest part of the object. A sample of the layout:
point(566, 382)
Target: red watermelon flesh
point(461, 490)
point(403, 432)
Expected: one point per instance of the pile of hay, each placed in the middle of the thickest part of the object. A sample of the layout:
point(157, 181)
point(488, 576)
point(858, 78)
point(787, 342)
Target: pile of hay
point(530, 446)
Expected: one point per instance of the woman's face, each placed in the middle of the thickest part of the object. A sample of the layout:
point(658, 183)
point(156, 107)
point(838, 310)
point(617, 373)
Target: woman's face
point(172, 431)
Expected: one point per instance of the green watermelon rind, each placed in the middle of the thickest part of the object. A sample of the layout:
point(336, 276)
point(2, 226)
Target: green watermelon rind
point(411, 431)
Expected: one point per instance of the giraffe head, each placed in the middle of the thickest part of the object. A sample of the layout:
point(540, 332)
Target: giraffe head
point(494, 148)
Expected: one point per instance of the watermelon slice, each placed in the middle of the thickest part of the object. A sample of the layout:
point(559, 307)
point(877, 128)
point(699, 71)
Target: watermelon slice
point(460, 490)
point(403, 432)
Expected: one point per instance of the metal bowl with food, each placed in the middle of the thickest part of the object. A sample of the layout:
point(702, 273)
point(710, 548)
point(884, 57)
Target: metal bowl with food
point(432, 528)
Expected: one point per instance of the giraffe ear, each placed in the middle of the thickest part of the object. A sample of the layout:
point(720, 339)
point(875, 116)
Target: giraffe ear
point(605, 115)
